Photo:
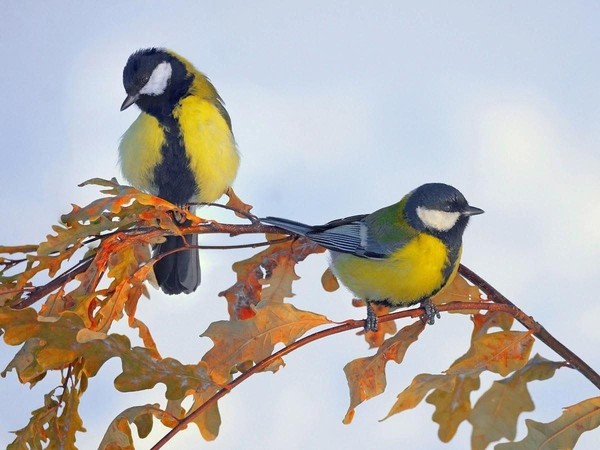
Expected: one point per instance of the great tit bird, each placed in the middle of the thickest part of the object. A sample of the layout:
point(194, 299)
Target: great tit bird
point(180, 148)
point(399, 255)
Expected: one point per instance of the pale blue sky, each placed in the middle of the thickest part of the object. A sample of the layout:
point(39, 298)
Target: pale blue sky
point(338, 108)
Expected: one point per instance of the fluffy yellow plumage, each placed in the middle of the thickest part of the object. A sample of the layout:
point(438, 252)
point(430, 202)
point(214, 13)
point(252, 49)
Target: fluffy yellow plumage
point(412, 272)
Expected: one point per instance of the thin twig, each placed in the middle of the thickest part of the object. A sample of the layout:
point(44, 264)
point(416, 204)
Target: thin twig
point(40, 292)
point(538, 330)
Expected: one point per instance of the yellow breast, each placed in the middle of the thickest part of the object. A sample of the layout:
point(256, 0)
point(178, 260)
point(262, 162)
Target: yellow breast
point(209, 145)
point(410, 274)
point(139, 152)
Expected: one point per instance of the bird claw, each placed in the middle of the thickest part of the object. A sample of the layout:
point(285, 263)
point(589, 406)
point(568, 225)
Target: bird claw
point(371, 322)
point(431, 312)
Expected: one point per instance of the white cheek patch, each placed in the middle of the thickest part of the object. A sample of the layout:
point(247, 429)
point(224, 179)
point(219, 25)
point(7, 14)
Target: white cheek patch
point(159, 79)
point(437, 220)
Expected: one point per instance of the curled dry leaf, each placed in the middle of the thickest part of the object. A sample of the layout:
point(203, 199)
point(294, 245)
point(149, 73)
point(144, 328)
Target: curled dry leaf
point(562, 433)
point(240, 341)
point(266, 276)
point(366, 376)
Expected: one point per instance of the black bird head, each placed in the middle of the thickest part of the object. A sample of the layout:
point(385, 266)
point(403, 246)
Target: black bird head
point(155, 79)
point(439, 209)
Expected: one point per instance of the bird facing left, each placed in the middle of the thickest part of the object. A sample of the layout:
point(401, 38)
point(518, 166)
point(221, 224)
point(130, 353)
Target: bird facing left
point(181, 148)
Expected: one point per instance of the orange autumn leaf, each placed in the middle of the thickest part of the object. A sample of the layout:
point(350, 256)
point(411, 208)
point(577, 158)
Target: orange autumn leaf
point(483, 322)
point(329, 281)
point(366, 376)
point(458, 291)
point(142, 370)
point(236, 203)
point(240, 341)
point(266, 276)
point(209, 422)
point(118, 435)
point(496, 413)
point(452, 407)
point(562, 433)
point(421, 385)
point(51, 423)
point(35, 434)
point(502, 352)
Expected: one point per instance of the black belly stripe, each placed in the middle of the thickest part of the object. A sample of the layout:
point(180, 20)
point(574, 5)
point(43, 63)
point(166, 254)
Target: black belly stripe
point(173, 177)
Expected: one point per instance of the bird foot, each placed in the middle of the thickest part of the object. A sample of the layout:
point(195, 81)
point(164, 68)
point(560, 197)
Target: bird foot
point(371, 322)
point(431, 312)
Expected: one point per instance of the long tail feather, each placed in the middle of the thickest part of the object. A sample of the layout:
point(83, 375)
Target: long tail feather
point(289, 225)
point(178, 272)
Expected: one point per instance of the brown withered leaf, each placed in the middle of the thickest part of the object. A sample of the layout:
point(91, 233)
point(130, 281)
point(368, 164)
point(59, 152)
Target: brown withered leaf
point(483, 322)
point(68, 422)
point(34, 434)
point(266, 276)
point(51, 343)
point(453, 407)
point(209, 422)
point(240, 341)
point(458, 291)
point(562, 433)
point(329, 281)
point(237, 203)
point(278, 285)
point(421, 385)
point(366, 376)
point(118, 435)
point(501, 352)
point(46, 424)
point(496, 413)
point(142, 370)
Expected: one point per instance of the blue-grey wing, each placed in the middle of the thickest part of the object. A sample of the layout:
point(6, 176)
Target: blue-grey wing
point(349, 235)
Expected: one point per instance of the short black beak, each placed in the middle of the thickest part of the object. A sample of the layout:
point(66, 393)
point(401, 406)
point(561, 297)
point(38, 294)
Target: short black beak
point(130, 100)
point(472, 211)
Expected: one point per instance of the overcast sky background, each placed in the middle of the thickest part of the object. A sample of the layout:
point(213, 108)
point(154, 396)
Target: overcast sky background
point(339, 108)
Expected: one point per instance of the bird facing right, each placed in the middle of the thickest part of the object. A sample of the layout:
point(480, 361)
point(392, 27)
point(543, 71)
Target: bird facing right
point(400, 255)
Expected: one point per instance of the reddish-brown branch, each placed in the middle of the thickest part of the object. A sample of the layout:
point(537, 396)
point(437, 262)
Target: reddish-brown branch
point(40, 292)
point(344, 326)
point(538, 330)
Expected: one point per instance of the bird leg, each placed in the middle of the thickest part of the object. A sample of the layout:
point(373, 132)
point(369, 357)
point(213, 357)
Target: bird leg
point(371, 321)
point(431, 312)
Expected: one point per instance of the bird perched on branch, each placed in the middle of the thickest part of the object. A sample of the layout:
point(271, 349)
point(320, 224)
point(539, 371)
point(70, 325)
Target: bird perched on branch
point(180, 148)
point(399, 255)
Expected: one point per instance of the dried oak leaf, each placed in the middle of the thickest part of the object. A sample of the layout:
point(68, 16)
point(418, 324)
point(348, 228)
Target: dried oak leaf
point(495, 414)
point(329, 281)
point(266, 276)
point(562, 433)
point(142, 370)
point(236, 203)
point(458, 291)
point(452, 407)
point(252, 340)
point(50, 344)
point(501, 352)
point(118, 435)
point(46, 424)
point(366, 376)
